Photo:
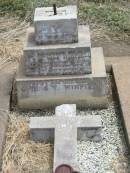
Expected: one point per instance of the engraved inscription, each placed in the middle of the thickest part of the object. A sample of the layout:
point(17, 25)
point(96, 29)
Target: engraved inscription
point(65, 61)
point(38, 88)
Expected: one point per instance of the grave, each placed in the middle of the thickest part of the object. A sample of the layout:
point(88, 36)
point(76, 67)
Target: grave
point(61, 69)
point(56, 28)
point(65, 128)
point(71, 72)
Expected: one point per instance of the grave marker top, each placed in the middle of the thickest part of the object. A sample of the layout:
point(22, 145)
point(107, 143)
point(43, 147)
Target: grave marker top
point(47, 13)
point(59, 28)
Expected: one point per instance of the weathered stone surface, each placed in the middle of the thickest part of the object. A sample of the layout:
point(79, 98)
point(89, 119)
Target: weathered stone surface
point(6, 80)
point(65, 124)
point(3, 128)
point(60, 28)
point(58, 59)
point(84, 90)
point(110, 61)
point(66, 110)
point(121, 73)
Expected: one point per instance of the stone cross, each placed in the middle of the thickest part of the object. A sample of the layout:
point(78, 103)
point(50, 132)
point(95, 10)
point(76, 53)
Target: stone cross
point(65, 127)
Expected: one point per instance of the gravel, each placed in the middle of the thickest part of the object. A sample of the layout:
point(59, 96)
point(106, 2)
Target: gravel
point(111, 154)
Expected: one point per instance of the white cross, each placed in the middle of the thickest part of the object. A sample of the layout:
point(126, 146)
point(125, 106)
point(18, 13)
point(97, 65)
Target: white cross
point(63, 128)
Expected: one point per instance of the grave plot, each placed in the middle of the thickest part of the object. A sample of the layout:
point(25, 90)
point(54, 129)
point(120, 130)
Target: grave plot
point(58, 65)
point(22, 154)
point(60, 70)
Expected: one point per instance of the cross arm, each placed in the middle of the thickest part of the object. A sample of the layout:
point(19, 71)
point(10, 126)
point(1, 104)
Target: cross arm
point(89, 121)
point(42, 128)
point(42, 122)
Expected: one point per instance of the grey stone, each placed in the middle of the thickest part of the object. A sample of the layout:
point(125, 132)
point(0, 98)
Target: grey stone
point(66, 110)
point(97, 138)
point(91, 133)
point(98, 131)
point(65, 124)
point(60, 28)
point(46, 135)
point(6, 82)
point(3, 129)
point(83, 90)
point(60, 58)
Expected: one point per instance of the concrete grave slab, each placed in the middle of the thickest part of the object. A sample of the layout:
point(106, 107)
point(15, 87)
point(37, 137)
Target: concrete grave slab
point(60, 28)
point(121, 72)
point(6, 81)
point(110, 61)
point(58, 59)
point(65, 125)
point(84, 90)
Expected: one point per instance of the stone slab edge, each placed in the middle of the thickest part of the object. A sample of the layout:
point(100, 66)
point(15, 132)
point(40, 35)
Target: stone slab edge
point(6, 81)
point(121, 73)
point(98, 70)
point(110, 61)
point(84, 40)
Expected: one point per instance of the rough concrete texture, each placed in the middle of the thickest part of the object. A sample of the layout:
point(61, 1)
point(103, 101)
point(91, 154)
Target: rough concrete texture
point(121, 74)
point(6, 78)
point(60, 28)
point(58, 59)
point(110, 61)
point(84, 90)
point(65, 124)
point(3, 128)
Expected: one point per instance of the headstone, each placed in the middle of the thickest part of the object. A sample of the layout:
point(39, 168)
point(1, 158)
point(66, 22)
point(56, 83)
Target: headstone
point(83, 90)
point(67, 71)
point(63, 129)
point(59, 28)
point(65, 59)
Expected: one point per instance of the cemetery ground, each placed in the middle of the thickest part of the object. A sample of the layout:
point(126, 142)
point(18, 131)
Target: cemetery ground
point(24, 156)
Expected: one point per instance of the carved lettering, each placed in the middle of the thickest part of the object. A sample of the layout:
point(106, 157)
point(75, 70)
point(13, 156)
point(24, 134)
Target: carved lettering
point(65, 85)
point(63, 62)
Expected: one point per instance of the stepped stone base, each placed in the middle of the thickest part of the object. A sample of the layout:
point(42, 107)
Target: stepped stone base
point(84, 90)
point(58, 59)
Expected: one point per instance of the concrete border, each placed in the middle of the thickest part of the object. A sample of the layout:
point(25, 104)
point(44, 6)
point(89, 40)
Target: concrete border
point(110, 61)
point(119, 67)
point(120, 74)
point(6, 81)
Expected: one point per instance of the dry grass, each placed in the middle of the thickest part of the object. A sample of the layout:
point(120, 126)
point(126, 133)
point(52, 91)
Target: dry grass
point(22, 155)
point(12, 34)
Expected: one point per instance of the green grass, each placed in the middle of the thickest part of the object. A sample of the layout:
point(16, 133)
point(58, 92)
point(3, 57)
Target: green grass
point(22, 7)
point(112, 15)
point(115, 18)
point(16, 7)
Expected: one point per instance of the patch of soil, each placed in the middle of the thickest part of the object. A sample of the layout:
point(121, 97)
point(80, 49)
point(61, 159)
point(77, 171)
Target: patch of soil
point(112, 48)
